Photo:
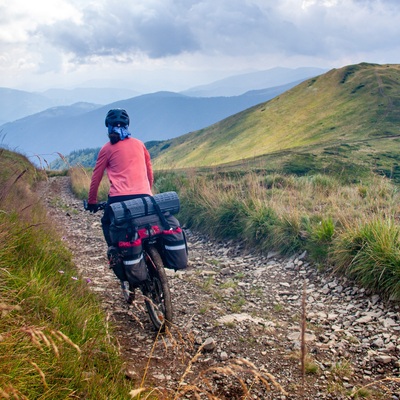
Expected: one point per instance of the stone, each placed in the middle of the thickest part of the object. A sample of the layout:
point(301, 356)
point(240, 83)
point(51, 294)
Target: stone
point(296, 336)
point(364, 320)
point(332, 317)
point(226, 271)
point(388, 322)
point(209, 344)
point(272, 254)
point(378, 343)
point(290, 265)
point(130, 374)
point(382, 359)
point(303, 255)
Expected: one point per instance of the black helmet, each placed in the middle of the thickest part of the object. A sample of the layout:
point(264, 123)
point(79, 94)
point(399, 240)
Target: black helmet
point(117, 116)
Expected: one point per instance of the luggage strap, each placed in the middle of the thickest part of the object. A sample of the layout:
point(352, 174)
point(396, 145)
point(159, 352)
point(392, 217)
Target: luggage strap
point(130, 231)
point(164, 222)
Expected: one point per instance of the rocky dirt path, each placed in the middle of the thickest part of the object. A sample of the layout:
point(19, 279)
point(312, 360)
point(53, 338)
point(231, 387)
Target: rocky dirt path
point(237, 319)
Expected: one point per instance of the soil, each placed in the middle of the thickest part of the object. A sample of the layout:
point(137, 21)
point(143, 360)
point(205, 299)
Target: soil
point(238, 318)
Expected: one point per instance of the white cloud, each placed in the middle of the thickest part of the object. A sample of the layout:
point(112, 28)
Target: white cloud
point(82, 38)
point(20, 17)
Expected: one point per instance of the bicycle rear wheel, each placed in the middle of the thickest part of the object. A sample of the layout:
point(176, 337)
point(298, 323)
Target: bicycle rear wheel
point(156, 291)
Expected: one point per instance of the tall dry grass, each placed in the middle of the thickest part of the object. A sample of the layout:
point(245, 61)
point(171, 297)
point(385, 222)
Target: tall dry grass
point(80, 181)
point(350, 227)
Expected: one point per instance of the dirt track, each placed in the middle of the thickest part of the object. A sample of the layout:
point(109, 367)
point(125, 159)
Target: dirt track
point(246, 307)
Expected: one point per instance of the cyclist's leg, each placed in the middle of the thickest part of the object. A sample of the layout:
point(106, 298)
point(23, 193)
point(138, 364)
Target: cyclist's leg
point(128, 291)
point(105, 224)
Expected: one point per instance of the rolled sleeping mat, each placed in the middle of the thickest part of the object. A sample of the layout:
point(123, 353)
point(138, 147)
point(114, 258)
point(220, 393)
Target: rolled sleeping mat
point(135, 208)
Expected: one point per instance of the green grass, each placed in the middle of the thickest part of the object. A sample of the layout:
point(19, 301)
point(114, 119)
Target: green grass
point(320, 239)
point(344, 123)
point(55, 341)
point(369, 252)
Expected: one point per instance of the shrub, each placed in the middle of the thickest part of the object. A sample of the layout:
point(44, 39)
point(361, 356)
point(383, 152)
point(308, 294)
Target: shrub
point(259, 224)
point(370, 253)
point(169, 181)
point(291, 232)
point(320, 241)
point(80, 184)
point(230, 217)
point(323, 183)
point(278, 181)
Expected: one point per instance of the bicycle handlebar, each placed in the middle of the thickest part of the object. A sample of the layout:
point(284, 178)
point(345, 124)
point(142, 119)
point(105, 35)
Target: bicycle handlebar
point(99, 206)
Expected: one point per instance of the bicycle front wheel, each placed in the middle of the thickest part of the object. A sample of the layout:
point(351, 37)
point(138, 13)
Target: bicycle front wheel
point(157, 293)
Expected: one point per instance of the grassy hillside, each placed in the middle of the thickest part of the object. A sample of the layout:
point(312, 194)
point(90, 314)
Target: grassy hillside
point(350, 114)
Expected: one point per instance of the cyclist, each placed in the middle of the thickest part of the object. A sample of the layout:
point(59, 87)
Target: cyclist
point(128, 166)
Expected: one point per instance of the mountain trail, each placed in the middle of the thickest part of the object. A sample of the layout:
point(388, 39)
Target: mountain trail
point(237, 321)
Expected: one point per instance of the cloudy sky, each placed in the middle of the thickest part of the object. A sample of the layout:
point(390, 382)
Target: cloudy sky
point(175, 44)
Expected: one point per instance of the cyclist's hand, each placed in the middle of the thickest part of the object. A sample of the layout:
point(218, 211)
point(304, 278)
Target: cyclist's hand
point(93, 208)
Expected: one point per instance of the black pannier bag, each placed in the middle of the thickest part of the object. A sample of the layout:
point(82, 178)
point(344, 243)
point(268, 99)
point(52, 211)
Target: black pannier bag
point(129, 265)
point(174, 251)
point(133, 260)
point(116, 264)
point(151, 216)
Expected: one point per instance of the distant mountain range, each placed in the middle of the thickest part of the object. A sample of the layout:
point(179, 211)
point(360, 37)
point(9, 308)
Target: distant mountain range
point(156, 116)
point(89, 95)
point(239, 84)
point(16, 104)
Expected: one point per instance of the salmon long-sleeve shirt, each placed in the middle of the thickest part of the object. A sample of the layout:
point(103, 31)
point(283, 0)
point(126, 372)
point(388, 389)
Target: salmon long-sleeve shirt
point(128, 168)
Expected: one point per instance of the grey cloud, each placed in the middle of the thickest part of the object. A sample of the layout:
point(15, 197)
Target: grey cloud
point(248, 29)
point(229, 27)
point(118, 30)
point(160, 38)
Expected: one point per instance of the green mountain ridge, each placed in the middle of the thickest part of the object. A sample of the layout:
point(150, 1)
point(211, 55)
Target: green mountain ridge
point(348, 110)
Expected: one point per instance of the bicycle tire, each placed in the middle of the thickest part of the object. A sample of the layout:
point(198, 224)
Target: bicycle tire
point(157, 293)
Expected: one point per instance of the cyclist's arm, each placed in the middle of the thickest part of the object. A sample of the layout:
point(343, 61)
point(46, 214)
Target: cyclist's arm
point(149, 167)
point(97, 176)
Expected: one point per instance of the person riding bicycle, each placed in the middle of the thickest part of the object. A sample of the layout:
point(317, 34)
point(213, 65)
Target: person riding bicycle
point(128, 166)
